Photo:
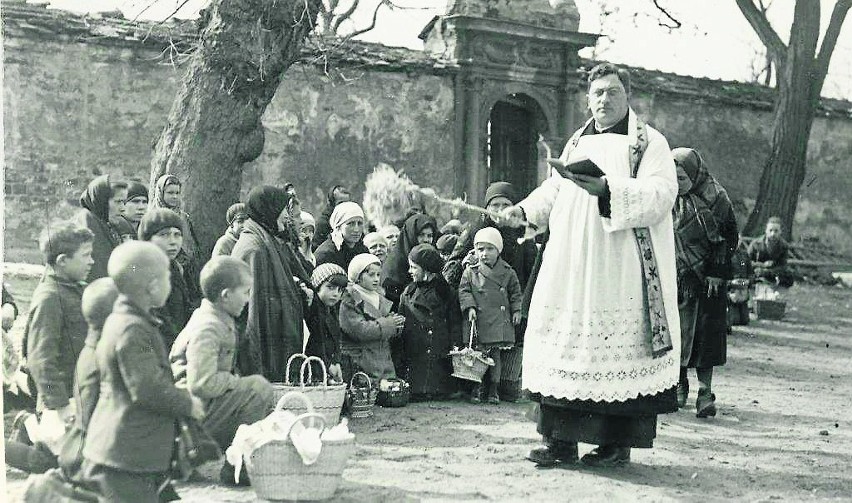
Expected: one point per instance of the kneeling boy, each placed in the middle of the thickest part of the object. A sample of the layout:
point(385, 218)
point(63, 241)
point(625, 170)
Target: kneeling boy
point(128, 446)
point(202, 356)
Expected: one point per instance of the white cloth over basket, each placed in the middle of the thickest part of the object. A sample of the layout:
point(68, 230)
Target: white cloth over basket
point(283, 425)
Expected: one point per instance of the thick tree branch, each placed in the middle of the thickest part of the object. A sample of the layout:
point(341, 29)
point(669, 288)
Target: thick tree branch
point(829, 41)
point(775, 47)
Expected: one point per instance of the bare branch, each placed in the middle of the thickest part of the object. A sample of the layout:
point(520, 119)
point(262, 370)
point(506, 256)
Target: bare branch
point(829, 41)
point(372, 24)
point(179, 7)
point(343, 16)
point(675, 23)
point(775, 47)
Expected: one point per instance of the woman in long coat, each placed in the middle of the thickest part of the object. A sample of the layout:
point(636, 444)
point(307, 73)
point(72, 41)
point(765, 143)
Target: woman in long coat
point(705, 240)
point(275, 313)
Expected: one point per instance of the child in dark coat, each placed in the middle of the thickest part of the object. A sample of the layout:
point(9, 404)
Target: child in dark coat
point(236, 217)
point(56, 330)
point(329, 282)
point(432, 325)
point(132, 430)
point(163, 227)
point(491, 296)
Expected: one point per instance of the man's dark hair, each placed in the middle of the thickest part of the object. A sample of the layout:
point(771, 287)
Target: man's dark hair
point(604, 69)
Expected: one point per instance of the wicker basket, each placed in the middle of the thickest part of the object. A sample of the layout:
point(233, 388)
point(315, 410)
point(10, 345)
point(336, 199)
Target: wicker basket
point(397, 393)
point(277, 472)
point(468, 363)
point(361, 398)
point(326, 399)
point(769, 309)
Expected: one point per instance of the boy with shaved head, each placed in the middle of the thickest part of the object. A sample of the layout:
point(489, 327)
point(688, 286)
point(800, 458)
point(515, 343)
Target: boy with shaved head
point(132, 430)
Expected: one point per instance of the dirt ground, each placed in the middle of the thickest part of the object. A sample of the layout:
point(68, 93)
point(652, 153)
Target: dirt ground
point(783, 433)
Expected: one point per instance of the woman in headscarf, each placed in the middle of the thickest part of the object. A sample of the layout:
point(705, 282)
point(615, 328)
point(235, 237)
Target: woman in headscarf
point(345, 240)
point(102, 202)
point(705, 239)
point(167, 194)
point(336, 195)
point(520, 256)
point(418, 228)
point(275, 313)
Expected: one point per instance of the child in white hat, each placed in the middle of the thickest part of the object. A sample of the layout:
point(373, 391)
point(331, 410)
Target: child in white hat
point(490, 298)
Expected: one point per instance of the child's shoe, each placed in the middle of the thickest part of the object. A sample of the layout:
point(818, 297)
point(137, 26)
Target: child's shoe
point(476, 394)
point(682, 393)
point(493, 395)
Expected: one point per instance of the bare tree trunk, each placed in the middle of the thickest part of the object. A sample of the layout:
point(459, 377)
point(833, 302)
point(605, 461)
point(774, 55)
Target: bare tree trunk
point(800, 74)
point(214, 126)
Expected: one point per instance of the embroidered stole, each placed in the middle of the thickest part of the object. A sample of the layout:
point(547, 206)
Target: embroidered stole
point(661, 340)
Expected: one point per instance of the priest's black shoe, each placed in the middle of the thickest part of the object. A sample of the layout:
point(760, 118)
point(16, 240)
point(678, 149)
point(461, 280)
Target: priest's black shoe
point(554, 454)
point(705, 405)
point(607, 456)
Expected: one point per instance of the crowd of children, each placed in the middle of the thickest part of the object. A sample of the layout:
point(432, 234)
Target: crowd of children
point(130, 332)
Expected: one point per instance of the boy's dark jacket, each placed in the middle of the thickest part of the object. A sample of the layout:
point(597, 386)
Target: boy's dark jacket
point(53, 338)
point(495, 294)
point(432, 328)
point(133, 425)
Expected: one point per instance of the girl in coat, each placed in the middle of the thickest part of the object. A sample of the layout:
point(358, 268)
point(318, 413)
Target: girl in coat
point(367, 322)
point(705, 240)
point(418, 228)
point(432, 325)
point(490, 296)
point(167, 194)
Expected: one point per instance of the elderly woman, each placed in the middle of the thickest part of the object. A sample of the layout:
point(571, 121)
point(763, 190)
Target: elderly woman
point(705, 239)
point(276, 306)
point(344, 242)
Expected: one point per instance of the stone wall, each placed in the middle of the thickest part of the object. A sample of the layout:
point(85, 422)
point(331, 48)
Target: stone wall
point(75, 107)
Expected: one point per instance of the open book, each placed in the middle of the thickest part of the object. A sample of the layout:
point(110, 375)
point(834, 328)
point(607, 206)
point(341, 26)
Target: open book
point(580, 166)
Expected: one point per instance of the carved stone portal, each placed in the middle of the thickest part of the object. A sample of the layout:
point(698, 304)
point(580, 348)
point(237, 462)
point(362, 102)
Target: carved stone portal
point(517, 76)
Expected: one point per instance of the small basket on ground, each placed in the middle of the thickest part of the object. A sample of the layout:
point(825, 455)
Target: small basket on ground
point(327, 399)
point(362, 397)
point(393, 392)
point(468, 363)
point(766, 309)
point(276, 469)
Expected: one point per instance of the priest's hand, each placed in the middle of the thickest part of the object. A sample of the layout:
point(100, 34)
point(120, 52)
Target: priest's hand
point(594, 185)
point(513, 216)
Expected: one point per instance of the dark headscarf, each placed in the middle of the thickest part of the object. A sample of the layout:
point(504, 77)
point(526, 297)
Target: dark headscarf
point(265, 204)
point(96, 197)
point(396, 266)
point(699, 215)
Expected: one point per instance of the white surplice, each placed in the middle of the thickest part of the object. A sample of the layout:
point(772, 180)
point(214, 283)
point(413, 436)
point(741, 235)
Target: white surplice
point(588, 333)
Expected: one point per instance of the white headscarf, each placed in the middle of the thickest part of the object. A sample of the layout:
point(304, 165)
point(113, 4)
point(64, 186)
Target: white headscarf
point(343, 213)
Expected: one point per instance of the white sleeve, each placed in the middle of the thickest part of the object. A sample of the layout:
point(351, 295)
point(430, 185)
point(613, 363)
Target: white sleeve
point(647, 199)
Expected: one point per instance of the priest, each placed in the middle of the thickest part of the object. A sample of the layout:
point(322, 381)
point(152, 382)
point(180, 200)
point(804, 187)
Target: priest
point(602, 343)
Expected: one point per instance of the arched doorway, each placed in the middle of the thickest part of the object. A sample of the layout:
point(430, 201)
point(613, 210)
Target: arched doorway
point(512, 132)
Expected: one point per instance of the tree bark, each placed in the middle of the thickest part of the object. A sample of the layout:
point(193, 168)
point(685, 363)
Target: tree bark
point(214, 126)
point(800, 74)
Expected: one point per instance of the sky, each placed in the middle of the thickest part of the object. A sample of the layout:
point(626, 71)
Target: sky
point(715, 40)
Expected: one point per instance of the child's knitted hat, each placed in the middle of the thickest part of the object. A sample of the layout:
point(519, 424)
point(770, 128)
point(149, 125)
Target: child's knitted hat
point(359, 263)
point(447, 242)
point(136, 189)
point(427, 257)
point(156, 220)
point(327, 271)
point(308, 219)
point(489, 235)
